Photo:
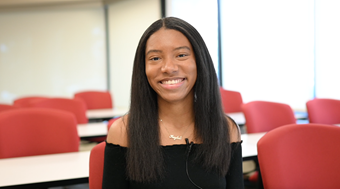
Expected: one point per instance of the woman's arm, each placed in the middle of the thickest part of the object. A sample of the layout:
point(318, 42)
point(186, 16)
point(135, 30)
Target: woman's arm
point(234, 176)
point(117, 133)
point(114, 175)
point(234, 131)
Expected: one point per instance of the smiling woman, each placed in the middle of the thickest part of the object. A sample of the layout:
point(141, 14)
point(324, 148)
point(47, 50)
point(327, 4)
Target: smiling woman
point(170, 66)
point(175, 99)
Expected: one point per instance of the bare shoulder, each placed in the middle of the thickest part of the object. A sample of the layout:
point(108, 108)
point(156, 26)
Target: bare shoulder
point(234, 131)
point(117, 133)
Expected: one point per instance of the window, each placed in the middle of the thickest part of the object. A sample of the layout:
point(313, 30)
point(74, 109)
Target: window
point(202, 14)
point(268, 50)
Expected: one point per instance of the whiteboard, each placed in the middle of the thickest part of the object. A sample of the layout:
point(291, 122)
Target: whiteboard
point(51, 52)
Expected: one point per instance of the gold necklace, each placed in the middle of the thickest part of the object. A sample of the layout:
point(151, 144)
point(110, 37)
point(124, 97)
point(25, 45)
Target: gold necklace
point(172, 136)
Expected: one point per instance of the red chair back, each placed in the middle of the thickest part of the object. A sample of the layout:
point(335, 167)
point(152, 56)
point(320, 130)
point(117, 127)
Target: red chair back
point(231, 101)
point(96, 166)
point(263, 116)
point(37, 131)
point(300, 156)
point(326, 111)
point(27, 101)
point(96, 99)
point(5, 107)
point(77, 107)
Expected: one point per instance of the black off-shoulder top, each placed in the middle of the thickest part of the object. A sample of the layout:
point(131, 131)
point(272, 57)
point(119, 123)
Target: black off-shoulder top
point(175, 157)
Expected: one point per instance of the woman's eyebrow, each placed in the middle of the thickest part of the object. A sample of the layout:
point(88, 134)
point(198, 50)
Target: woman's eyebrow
point(183, 47)
point(152, 50)
point(178, 48)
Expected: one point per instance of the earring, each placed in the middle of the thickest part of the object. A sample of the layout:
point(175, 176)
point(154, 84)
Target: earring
point(195, 97)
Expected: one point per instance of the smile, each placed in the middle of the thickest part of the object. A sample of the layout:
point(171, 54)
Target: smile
point(172, 82)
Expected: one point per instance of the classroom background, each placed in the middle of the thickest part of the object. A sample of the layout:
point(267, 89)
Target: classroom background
point(282, 51)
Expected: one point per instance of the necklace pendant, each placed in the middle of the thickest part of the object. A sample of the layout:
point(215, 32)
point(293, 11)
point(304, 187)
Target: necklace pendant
point(175, 137)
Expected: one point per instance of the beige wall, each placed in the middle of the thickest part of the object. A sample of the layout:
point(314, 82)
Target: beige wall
point(59, 51)
point(128, 21)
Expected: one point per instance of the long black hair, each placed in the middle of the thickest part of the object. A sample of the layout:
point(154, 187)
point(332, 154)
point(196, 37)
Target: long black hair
point(144, 155)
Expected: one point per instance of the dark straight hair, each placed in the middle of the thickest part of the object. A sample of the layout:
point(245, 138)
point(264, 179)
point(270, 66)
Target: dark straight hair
point(144, 155)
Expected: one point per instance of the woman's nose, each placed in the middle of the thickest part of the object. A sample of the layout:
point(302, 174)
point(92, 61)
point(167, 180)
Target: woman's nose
point(169, 66)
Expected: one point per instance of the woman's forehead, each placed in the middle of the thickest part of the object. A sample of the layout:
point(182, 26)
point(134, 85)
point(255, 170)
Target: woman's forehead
point(167, 38)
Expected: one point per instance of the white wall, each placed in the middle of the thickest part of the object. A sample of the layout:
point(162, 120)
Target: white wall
point(59, 51)
point(327, 48)
point(51, 52)
point(128, 20)
point(268, 54)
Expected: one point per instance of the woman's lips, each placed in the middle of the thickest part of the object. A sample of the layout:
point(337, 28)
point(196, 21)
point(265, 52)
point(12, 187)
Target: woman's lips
point(172, 81)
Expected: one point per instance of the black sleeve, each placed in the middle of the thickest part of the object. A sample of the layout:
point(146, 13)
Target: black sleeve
point(235, 173)
point(114, 175)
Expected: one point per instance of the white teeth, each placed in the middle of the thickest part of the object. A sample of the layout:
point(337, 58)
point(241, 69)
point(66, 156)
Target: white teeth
point(171, 82)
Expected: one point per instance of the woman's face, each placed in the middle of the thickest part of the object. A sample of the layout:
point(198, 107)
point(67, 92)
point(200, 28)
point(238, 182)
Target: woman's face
point(170, 65)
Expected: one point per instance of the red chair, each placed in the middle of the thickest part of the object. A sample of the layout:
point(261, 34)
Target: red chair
point(37, 131)
point(96, 99)
point(26, 101)
point(77, 107)
point(231, 101)
point(96, 166)
point(5, 107)
point(300, 156)
point(97, 162)
point(263, 116)
point(326, 111)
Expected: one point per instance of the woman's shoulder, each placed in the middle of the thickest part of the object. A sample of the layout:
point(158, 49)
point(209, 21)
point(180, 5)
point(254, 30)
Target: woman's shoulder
point(118, 132)
point(234, 130)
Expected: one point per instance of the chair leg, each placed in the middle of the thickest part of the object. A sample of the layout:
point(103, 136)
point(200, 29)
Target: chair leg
point(259, 179)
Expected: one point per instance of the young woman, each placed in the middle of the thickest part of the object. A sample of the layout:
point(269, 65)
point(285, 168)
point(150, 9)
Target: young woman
point(176, 134)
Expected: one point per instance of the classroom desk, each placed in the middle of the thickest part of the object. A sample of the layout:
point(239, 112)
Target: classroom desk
point(44, 170)
point(105, 113)
point(100, 114)
point(70, 168)
point(110, 113)
point(238, 117)
point(249, 152)
point(300, 115)
point(97, 129)
point(249, 145)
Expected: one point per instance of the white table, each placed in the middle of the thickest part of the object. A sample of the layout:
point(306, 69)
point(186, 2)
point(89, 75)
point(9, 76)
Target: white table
point(67, 168)
point(106, 113)
point(46, 170)
point(300, 115)
point(249, 144)
point(110, 113)
point(100, 128)
point(92, 129)
point(238, 117)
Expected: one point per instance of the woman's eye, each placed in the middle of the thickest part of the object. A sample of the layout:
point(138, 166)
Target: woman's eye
point(182, 55)
point(154, 59)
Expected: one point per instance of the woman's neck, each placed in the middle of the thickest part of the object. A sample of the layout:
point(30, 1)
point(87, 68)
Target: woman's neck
point(176, 114)
point(177, 122)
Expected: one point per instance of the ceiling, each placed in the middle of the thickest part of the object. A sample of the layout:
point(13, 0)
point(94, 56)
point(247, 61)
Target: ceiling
point(7, 5)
